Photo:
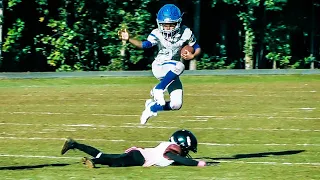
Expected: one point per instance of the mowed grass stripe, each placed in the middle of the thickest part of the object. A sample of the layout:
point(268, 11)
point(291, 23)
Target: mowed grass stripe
point(257, 127)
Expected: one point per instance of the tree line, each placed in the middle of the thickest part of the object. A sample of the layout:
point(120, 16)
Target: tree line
point(81, 35)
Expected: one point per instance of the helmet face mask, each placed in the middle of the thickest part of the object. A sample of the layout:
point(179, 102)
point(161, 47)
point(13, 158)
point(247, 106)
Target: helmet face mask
point(186, 140)
point(169, 14)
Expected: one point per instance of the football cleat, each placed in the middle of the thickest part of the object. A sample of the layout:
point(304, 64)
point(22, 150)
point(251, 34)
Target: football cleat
point(88, 162)
point(158, 95)
point(147, 113)
point(68, 144)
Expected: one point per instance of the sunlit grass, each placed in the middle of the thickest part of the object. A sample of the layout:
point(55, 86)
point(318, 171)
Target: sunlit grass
point(248, 127)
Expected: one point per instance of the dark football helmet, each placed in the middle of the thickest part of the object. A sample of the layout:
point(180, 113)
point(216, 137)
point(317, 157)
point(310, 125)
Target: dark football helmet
point(186, 140)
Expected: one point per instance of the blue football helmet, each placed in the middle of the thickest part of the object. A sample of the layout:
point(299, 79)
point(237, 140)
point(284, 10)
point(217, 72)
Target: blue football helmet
point(169, 13)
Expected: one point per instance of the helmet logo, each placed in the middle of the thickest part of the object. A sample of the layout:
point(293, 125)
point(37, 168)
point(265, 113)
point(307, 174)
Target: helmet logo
point(172, 139)
point(188, 141)
point(167, 20)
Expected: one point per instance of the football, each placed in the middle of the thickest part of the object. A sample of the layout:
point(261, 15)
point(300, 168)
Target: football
point(188, 48)
point(174, 148)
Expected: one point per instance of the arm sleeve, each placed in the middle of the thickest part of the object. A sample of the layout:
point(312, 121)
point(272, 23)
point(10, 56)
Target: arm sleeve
point(182, 160)
point(151, 41)
point(196, 46)
point(192, 39)
point(146, 44)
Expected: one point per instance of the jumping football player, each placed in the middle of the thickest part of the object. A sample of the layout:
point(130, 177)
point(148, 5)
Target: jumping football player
point(166, 153)
point(170, 37)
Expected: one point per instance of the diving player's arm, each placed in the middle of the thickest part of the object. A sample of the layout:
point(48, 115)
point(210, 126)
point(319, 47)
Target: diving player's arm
point(183, 160)
point(173, 152)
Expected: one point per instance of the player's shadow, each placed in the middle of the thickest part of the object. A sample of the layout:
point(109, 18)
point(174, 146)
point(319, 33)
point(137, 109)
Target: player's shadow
point(29, 167)
point(256, 155)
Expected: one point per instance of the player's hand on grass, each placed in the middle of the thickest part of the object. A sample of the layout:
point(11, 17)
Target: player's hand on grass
point(202, 163)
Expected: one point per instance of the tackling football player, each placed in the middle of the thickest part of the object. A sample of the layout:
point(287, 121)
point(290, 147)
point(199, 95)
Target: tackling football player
point(176, 151)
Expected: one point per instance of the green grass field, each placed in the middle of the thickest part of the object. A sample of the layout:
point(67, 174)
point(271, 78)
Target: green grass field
point(248, 127)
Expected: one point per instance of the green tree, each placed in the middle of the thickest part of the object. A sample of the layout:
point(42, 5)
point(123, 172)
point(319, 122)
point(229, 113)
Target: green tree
point(247, 17)
point(13, 43)
point(84, 35)
point(75, 34)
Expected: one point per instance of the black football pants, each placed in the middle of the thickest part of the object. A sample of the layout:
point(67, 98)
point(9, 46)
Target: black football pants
point(133, 158)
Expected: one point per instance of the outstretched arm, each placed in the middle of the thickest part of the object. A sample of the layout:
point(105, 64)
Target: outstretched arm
point(184, 161)
point(136, 42)
point(125, 36)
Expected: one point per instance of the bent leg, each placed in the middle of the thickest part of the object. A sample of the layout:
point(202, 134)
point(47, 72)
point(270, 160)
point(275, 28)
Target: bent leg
point(172, 69)
point(176, 96)
point(166, 72)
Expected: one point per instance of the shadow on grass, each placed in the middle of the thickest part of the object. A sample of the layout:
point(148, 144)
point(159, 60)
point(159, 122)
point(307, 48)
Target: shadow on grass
point(256, 155)
point(32, 166)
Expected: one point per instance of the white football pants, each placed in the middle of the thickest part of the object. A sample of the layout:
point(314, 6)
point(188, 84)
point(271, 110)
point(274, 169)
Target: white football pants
point(175, 89)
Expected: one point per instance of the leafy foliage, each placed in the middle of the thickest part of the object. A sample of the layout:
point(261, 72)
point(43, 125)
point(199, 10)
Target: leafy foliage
point(13, 43)
point(86, 39)
point(78, 35)
point(279, 49)
point(248, 17)
point(81, 35)
point(217, 61)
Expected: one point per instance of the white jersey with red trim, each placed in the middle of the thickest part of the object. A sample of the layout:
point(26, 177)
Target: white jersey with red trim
point(169, 47)
point(155, 156)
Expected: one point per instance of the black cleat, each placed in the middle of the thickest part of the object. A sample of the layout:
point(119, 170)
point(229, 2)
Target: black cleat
point(88, 162)
point(68, 144)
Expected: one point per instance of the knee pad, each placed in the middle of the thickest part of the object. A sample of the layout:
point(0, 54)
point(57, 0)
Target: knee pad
point(179, 68)
point(176, 105)
point(176, 99)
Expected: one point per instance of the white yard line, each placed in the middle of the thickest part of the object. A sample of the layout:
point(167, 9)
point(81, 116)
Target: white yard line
point(138, 115)
point(235, 161)
point(273, 163)
point(136, 125)
point(199, 94)
point(123, 140)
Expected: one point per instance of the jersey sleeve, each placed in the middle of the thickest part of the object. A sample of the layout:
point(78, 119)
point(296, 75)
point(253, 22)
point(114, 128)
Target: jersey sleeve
point(189, 37)
point(192, 40)
point(153, 38)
